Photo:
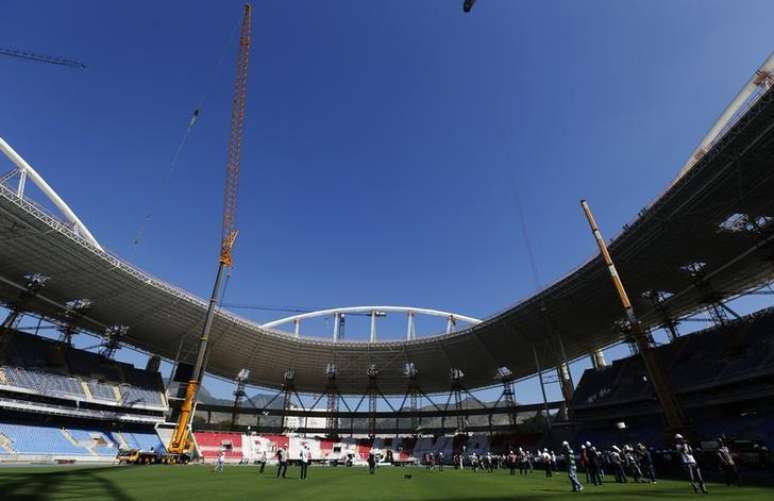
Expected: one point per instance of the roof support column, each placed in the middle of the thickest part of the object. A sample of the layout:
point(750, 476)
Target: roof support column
point(411, 333)
point(543, 391)
point(336, 325)
point(598, 359)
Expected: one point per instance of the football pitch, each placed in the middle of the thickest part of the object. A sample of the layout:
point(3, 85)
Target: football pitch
point(199, 483)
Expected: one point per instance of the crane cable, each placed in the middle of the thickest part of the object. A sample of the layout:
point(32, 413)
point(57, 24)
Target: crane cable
point(525, 235)
point(170, 170)
point(137, 239)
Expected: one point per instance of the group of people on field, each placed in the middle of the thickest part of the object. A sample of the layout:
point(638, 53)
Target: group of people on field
point(623, 464)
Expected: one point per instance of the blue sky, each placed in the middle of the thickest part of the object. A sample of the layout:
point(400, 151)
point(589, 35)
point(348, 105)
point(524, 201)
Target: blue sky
point(385, 142)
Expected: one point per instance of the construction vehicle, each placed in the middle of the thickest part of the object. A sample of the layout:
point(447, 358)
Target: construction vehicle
point(136, 456)
point(180, 447)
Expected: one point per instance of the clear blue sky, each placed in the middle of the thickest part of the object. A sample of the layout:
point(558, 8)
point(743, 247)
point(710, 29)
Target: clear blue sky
point(384, 141)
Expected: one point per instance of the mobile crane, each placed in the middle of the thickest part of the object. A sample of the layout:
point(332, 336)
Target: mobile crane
point(180, 445)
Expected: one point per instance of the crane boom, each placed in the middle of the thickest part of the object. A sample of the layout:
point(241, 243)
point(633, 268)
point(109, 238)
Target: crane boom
point(41, 58)
point(180, 442)
point(234, 158)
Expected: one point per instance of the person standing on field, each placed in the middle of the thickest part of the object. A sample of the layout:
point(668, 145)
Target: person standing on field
point(690, 466)
point(728, 464)
point(220, 461)
point(571, 469)
point(306, 456)
point(282, 463)
point(371, 461)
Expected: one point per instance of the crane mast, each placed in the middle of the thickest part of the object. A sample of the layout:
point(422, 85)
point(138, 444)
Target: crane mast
point(180, 441)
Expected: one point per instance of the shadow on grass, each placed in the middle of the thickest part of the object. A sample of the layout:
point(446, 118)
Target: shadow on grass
point(73, 483)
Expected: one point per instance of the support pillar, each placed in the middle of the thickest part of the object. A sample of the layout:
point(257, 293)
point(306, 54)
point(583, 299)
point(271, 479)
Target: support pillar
point(372, 392)
point(457, 376)
point(543, 391)
point(508, 398)
point(332, 392)
point(239, 394)
point(288, 388)
point(74, 310)
point(33, 283)
point(669, 323)
point(598, 359)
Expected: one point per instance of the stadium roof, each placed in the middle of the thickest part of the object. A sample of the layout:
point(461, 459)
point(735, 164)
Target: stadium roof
point(716, 213)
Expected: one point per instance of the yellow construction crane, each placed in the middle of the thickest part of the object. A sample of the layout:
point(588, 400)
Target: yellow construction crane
point(180, 444)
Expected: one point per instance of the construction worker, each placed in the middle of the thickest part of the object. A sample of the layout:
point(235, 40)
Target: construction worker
point(727, 464)
point(512, 459)
point(584, 461)
point(220, 461)
point(595, 464)
point(523, 468)
point(371, 461)
point(689, 463)
point(305, 457)
point(546, 456)
point(646, 462)
point(616, 459)
point(632, 463)
point(571, 469)
point(282, 463)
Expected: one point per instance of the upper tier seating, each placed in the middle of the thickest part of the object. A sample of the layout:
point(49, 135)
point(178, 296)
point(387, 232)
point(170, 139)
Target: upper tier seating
point(52, 369)
point(710, 358)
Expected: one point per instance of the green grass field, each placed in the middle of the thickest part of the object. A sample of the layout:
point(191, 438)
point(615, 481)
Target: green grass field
point(199, 483)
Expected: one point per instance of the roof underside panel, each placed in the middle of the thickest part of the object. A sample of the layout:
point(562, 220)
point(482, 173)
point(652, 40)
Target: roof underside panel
point(582, 309)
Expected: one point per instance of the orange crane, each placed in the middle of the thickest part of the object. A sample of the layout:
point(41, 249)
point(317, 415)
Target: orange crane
point(180, 443)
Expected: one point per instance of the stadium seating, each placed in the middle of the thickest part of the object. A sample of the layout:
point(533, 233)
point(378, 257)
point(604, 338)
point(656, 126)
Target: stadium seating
point(210, 444)
point(25, 439)
point(102, 391)
point(722, 376)
point(28, 436)
point(38, 365)
point(143, 441)
point(713, 357)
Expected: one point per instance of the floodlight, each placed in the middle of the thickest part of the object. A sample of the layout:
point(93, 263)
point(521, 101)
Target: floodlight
point(35, 280)
point(78, 305)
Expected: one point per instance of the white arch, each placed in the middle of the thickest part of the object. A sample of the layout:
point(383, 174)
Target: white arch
point(25, 171)
point(374, 311)
point(369, 309)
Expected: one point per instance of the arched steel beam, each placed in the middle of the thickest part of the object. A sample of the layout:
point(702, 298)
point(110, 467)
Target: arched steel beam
point(27, 171)
point(368, 309)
